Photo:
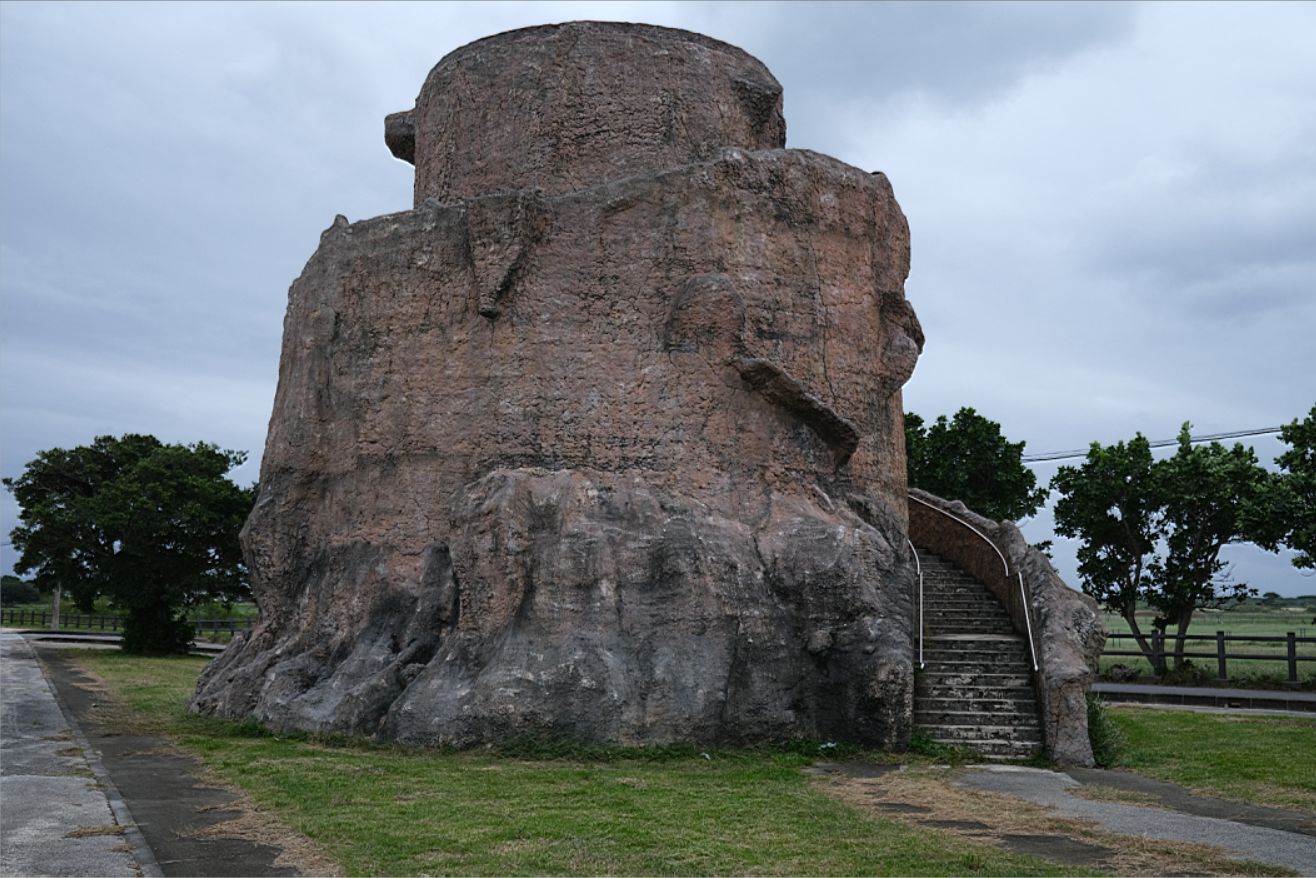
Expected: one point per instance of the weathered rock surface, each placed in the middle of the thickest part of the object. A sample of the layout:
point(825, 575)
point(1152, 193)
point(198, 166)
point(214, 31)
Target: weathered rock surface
point(605, 442)
point(563, 107)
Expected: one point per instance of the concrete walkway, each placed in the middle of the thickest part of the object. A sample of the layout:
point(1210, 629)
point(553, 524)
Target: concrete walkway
point(57, 817)
point(1249, 841)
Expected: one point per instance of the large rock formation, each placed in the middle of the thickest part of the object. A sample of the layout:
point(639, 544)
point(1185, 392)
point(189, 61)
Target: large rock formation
point(604, 438)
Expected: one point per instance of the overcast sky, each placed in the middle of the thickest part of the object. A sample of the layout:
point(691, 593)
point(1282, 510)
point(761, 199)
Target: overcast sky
point(1113, 207)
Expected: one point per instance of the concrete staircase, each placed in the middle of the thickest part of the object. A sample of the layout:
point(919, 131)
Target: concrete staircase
point(976, 687)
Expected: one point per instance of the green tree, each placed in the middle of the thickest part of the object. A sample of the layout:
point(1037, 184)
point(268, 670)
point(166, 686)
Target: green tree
point(1112, 504)
point(152, 527)
point(966, 458)
point(1298, 491)
point(1153, 530)
point(15, 591)
point(1212, 497)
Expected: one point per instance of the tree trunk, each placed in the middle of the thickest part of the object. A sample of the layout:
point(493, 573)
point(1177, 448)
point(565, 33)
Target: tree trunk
point(1131, 616)
point(57, 593)
point(1185, 618)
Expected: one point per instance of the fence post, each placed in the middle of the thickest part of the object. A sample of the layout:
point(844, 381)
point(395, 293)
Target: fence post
point(1293, 658)
point(1158, 653)
point(1220, 654)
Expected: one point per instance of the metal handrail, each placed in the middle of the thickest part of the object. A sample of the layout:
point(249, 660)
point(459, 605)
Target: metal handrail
point(918, 566)
point(1028, 617)
point(1023, 593)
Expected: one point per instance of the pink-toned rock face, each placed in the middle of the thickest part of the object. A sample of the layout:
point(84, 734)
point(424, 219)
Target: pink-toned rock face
point(606, 441)
point(565, 107)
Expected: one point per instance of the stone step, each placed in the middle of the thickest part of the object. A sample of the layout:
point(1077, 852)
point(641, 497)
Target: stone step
point(944, 627)
point(982, 706)
point(993, 749)
point(948, 580)
point(939, 718)
point(983, 609)
point(1016, 665)
point(975, 593)
point(1011, 668)
point(957, 651)
point(980, 732)
point(987, 613)
point(972, 694)
point(951, 677)
point(966, 599)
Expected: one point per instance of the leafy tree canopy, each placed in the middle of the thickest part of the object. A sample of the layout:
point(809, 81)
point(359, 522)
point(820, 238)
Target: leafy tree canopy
point(1299, 465)
point(966, 458)
point(1153, 530)
point(15, 591)
point(152, 527)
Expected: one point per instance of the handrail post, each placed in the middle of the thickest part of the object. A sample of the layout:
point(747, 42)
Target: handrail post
point(918, 566)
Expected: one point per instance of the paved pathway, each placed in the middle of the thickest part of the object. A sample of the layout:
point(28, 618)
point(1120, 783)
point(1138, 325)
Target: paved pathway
point(1051, 789)
point(56, 816)
point(183, 817)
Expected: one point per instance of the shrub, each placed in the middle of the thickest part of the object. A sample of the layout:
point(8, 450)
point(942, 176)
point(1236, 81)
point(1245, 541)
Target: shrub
point(1107, 739)
point(15, 591)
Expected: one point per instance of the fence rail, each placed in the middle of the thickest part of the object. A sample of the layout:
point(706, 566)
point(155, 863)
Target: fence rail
point(1221, 652)
point(86, 622)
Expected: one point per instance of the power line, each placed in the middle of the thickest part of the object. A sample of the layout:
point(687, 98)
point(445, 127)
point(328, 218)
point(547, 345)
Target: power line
point(1159, 443)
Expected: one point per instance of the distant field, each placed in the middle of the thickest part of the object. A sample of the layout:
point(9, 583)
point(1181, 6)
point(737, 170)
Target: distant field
point(1248, 620)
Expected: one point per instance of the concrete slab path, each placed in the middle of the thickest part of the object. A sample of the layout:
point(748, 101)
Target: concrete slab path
point(1053, 789)
point(183, 815)
point(57, 817)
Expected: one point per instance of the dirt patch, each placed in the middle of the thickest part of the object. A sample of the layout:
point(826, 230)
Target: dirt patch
point(296, 851)
point(93, 831)
point(1103, 793)
point(927, 798)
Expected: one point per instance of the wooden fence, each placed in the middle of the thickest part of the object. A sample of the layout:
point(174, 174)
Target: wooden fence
point(1220, 653)
point(84, 622)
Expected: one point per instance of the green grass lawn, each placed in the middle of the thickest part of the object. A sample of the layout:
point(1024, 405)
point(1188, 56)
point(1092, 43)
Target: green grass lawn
point(381, 810)
point(1265, 760)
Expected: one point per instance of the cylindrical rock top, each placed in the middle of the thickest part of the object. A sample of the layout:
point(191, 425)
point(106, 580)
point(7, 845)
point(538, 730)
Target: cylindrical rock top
point(564, 107)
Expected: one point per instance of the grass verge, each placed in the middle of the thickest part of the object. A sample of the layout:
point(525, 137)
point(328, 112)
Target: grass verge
point(381, 810)
point(1265, 760)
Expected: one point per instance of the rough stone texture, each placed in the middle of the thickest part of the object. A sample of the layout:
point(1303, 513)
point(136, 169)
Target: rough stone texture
point(620, 459)
point(563, 107)
point(1066, 624)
